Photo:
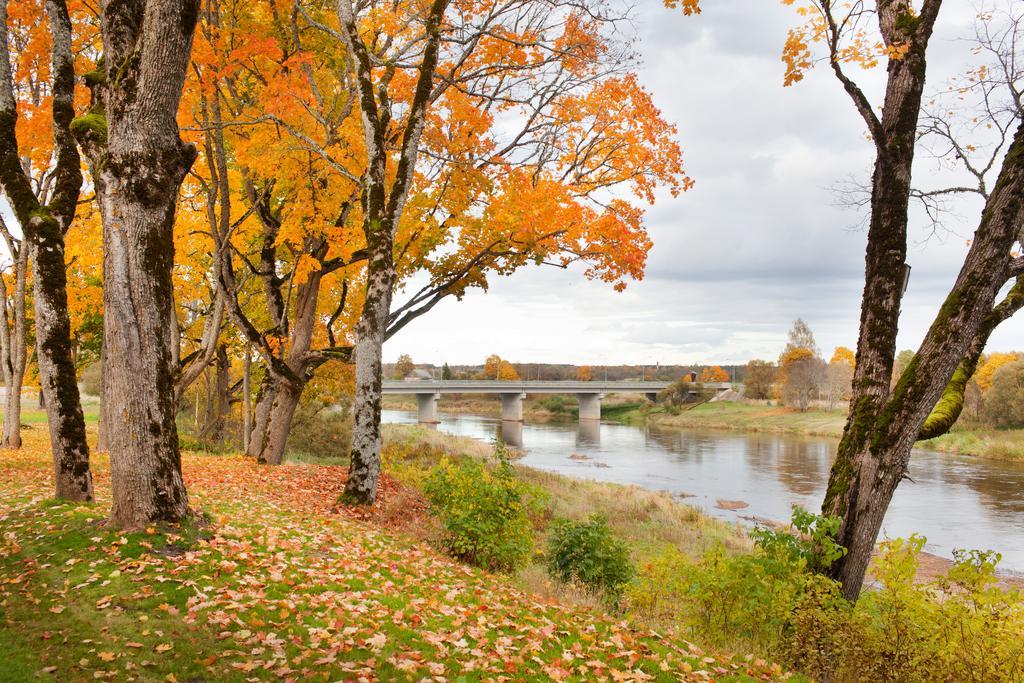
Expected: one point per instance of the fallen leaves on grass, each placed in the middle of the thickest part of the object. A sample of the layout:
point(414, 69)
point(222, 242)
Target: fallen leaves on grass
point(278, 583)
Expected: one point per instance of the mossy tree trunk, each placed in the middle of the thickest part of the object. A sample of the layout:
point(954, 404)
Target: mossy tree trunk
point(884, 423)
point(44, 227)
point(138, 162)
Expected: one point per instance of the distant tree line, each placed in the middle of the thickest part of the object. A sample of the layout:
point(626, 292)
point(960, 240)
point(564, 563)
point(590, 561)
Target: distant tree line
point(548, 372)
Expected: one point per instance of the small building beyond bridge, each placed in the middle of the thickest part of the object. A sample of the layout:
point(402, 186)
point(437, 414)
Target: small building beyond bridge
point(512, 393)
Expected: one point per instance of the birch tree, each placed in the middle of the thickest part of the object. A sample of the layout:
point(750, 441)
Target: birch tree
point(528, 109)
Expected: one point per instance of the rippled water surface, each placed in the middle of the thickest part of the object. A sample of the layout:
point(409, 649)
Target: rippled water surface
point(955, 501)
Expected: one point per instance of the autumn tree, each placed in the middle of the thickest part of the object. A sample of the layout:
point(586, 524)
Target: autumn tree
point(759, 379)
point(839, 375)
point(884, 421)
point(403, 366)
point(137, 162)
point(802, 373)
point(801, 337)
point(496, 368)
point(500, 128)
point(1004, 401)
point(42, 184)
point(713, 373)
point(989, 364)
point(583, 373)
point(283, 251)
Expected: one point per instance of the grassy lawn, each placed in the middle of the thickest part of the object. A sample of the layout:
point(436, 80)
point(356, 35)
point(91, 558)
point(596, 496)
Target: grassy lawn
point(32, 415)
point(272, 583)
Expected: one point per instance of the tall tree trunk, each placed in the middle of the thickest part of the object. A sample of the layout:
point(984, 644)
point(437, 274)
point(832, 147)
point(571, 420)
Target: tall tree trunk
point(364, 468)
point(101, 427)
point(862, 478)
point(138, 167)
point(246, 397)
point(279, 423)
point(875, 449)
point(383, 205)
point(261, 416)
point(218, 400)
point(288, 391)
point(57, 376)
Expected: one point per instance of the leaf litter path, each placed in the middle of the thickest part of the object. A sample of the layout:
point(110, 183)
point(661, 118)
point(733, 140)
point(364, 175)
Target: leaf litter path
point(276, 585)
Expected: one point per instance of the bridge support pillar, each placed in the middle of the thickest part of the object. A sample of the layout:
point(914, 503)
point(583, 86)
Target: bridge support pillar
point(512, 406)
point(512, 433)
point(590, 406)
point(428, 407)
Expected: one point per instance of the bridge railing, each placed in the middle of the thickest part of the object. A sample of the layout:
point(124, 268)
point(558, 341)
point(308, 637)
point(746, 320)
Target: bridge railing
point(528, 386)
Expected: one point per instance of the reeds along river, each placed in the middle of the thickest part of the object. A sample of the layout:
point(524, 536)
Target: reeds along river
point(955, 501)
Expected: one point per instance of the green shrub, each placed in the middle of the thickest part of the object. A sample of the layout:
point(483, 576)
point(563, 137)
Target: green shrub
point(1004, 401)
point(320, 433)
point(485, 512)
point(960, 627)
point(744, 601)
point(556, 403)
point(813, 543)
point(588, 554)
point(92, 380)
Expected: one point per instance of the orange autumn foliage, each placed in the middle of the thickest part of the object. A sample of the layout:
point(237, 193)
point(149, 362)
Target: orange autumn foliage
point(713, 373)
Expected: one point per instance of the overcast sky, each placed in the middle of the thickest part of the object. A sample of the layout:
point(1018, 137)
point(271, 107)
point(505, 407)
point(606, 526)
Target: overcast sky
point(756, 243)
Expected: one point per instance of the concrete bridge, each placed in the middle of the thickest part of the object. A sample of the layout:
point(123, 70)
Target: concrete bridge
point(589, 394)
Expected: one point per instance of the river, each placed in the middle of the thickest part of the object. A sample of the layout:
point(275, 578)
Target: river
point(954, 501)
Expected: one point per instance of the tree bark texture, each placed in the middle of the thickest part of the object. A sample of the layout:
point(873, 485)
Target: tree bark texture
point(364, 465)
point(138, 167)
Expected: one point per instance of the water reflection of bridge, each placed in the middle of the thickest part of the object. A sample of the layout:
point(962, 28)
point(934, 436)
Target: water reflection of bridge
point(588, 433)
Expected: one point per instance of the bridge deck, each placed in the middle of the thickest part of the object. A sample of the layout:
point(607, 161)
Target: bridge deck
point(529, 387)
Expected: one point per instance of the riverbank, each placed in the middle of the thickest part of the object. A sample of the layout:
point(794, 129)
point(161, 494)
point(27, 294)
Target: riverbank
point(651, 520)
point(739, 416)
point(706, 581)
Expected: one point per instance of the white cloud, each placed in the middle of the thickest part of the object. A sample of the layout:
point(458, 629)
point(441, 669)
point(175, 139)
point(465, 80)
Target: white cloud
point(755, 244)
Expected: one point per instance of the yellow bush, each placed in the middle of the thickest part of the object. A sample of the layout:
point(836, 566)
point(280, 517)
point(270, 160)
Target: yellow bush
point(960, 627)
